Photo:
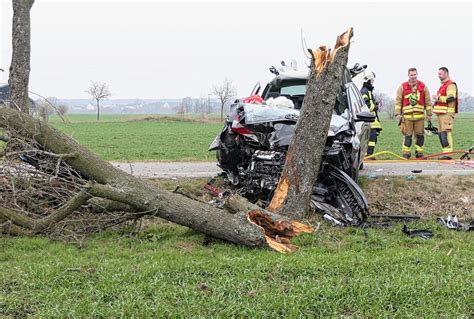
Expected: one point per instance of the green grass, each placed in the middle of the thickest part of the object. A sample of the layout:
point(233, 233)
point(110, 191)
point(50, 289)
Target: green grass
point(167, 271)
point(126, 138)
point(135, 137)
point(390, 138)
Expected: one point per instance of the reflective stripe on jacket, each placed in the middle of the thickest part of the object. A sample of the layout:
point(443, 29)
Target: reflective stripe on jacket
point(447, 89)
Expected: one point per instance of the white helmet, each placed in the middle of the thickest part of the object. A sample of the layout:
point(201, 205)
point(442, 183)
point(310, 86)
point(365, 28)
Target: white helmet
point(368, 76)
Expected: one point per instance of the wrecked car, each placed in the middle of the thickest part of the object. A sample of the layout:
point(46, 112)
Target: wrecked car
point(252, 146)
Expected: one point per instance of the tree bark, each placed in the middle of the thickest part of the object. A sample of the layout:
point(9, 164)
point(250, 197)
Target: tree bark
point(253, 227)
point(20, 64)
point(293, 194)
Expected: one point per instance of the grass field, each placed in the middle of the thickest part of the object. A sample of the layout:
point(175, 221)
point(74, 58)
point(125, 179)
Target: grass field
point(121, 137)
point(141, 138)
point(167, 271)
point(390, 138)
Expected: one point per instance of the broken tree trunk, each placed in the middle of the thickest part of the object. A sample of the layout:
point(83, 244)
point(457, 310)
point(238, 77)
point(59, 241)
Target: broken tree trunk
point(293, 194)
point(20, 64)
point(250, 227)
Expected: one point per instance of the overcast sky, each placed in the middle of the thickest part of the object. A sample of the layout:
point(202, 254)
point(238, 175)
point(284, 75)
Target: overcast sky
point(176, 49)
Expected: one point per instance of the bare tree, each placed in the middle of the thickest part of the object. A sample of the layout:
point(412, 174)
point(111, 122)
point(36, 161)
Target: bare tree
point(386, 104)
point(224, 92)
point(185, 106)
point(98, 91)
point(44, 110)
point(20, 64)
point(62, 109)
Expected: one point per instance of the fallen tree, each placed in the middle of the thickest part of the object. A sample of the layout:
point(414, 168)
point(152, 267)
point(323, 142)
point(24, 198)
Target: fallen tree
point(295, 187)
point(95, 178)
point(47, 177)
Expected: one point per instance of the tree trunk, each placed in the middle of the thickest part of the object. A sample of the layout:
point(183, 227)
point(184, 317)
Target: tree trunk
point(98, 110)
point(20, 64)
point(222, 111)
point(293, 194)
point(253, 228)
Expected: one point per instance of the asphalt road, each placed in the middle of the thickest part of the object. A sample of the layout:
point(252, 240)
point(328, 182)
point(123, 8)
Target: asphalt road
point(372, 168)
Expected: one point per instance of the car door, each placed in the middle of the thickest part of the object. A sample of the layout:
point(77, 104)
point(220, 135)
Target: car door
point(357, 105)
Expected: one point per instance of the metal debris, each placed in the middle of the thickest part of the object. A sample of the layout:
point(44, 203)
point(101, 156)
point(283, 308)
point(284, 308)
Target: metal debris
point(422, 233)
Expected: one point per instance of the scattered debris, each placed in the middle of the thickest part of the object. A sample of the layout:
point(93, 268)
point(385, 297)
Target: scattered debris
point(466, 156)
point(452, 222)
point(411, 177)
point(333, 220)
point(216, 191)
point(395, 216)
point(422, 233)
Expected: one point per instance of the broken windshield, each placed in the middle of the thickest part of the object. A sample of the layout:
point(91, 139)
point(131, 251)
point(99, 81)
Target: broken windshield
point(255, 113)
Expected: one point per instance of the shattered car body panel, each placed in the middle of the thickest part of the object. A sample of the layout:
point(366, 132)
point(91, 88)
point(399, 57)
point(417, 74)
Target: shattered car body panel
point(251, 149)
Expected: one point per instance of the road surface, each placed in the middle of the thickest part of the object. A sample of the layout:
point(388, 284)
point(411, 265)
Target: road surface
point(372, 169)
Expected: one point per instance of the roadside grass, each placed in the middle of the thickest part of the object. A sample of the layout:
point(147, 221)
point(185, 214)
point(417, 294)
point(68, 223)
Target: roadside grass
point(186, 138)
point(426, 196)
point(167, 271)
point(170, 271)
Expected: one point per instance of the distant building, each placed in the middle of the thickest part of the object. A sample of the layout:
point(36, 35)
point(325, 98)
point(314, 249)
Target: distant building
point(5, 94)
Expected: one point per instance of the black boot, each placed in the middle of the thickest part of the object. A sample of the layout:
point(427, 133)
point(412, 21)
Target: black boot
point(419, 155)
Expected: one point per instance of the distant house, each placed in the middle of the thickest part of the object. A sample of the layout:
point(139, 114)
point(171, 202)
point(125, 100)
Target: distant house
point(5, 94)
point(90, 107)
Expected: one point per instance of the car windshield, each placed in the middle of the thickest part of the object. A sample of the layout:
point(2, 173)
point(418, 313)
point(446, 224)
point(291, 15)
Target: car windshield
point(255, 113)
point(294, 90)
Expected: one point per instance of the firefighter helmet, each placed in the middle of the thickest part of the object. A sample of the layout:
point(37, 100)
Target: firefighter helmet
point(368, 76)
point(431, 130)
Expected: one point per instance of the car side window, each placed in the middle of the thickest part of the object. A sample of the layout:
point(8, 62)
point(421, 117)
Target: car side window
point(355, 99)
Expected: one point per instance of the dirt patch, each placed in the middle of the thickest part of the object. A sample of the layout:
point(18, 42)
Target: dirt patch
point(167, 118)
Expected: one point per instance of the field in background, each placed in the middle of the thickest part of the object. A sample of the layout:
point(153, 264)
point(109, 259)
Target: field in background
point(390, 138)
point(168, 270)
point(186, 138)
point(142, 138)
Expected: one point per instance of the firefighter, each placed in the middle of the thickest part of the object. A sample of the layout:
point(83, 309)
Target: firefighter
point(411, 104)
point(367, 94)
point(445, 107)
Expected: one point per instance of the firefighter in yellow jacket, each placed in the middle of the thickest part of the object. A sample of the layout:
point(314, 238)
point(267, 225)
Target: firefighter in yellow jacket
point(445, 107)
point(367, 92)
point(411, 104)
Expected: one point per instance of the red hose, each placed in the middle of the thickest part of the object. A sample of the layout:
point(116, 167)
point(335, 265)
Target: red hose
point(441, 154)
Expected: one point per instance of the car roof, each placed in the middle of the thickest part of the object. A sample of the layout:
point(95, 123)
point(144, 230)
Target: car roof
point(298, 76)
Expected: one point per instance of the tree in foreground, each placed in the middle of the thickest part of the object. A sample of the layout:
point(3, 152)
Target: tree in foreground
point(21, 49)
point(50, 183)
point(293, 194)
